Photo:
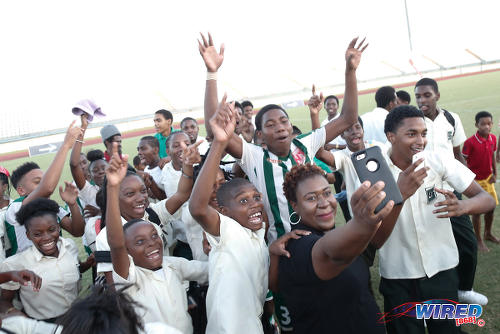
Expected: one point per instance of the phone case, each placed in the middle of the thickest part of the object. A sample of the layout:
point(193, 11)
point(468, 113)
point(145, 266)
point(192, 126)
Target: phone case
point(371, 165)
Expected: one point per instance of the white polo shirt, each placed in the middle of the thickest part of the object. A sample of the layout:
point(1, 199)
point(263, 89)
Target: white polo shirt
point(60, 278)
point(373, 125)
point(441, 136)
point(421, 244)
point(170, 180)
point(194, 235)
point(161, 292)
point(343, 164)
point(101, 241)
point(267, 175)
point(238, 269)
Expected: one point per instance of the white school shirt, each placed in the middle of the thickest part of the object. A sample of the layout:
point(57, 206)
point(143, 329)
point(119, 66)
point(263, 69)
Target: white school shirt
point(3, 237)
point(87, 194)
point(337, 140)
point(60, 278)
point(373, 125)
point(204, 146)
point(252, 163)
point(238, 269)
point(170, 180)
point(421, 244)
point(343, 163)
point(441, 136)
point(161, 294)
point(156, 173)
point(194, 235)
point(16, 232)
point(101, 241)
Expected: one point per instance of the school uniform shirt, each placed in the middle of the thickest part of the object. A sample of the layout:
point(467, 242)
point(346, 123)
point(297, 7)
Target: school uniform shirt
point(170, 180)
point(3, 238)
point(88, 193)
point(101, 241)
point(60, 278)
point(16, 232)
point(24, 325)
point(337, 140)
point(478, 152)
point(441, 135)
point(156, 173)
point(90, 234)
point(204, 146)
point(342, 304)
point(343, 164)
point(421, 245)
point(373, 125)
point(194, 235)
point(238, 268)
point(266, 171)
point(160, 292)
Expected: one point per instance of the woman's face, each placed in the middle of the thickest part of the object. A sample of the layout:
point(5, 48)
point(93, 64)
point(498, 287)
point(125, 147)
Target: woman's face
point(98, 171)
point(43, 231)
point(133, 197)
point(316, 204)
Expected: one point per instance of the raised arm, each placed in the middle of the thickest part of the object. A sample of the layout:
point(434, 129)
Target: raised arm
point(223, 123)
point(51, 177)
point(349, 114)
point(190, 156)
point(115, 173)
point(315, 105)
point(75, 224)
point(338, 248)
point(74, 161)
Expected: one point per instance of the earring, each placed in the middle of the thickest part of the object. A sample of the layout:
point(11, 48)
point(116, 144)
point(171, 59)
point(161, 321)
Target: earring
point(291, 221)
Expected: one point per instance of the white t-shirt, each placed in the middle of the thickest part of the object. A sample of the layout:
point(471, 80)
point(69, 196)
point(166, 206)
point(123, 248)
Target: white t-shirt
point(421, 244)
point(156, 173)
point(373, 125)
point(163, 297)
point(60, 279)
point(270, 183)
point(238, 269)
point(166, 218)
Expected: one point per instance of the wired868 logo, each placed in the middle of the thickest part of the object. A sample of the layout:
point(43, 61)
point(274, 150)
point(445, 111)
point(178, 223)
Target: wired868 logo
point(437, 309)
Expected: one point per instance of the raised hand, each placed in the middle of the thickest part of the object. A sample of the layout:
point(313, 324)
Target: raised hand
point(85, 121)
point(353, 54)
point(117, 168)
point(365, 200)
point(410, 180)
point(450, 207)
point(24, 277)
point(315, 102)
point(278, 247)
point(213, 59)
point(191, 155)
point(223, 122)
point(91, 211)
point(69, 194)
point(72, 135)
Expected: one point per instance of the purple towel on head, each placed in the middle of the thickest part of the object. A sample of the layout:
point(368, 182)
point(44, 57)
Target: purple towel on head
point(88, 107)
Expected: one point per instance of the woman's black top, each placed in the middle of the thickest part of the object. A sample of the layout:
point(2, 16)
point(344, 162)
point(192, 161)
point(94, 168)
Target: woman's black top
point(343, 304)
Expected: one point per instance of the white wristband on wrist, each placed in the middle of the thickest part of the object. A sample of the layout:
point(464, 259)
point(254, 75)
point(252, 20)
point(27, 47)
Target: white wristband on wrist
point(211, 75)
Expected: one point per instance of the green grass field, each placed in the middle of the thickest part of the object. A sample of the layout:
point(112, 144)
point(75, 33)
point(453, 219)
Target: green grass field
point(465, 96)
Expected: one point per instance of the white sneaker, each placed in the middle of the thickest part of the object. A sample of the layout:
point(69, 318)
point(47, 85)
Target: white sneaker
point(472, 297)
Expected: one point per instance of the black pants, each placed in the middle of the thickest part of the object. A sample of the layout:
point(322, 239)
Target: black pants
point(338, 188)
point(466, 241)
point(397, 292)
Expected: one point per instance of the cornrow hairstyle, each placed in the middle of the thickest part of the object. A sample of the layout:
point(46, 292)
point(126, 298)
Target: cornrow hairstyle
point(296, 175)
point(22, 170)
point(132, 222)
point(397, 115)
point(37, 208)
point(107, 309)
point(482, 114)
point(428, 82)
point(263, 111)
point(102, 195)
point(152, 141)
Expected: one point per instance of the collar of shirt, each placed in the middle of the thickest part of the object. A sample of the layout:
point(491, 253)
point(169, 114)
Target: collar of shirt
point(481, 140)
point(302, 226)
point(61, 245)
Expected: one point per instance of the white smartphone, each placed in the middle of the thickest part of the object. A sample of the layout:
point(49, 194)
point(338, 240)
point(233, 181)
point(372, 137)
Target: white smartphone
point(418, 156)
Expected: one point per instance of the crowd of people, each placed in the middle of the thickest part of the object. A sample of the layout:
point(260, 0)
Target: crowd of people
point(235, 232)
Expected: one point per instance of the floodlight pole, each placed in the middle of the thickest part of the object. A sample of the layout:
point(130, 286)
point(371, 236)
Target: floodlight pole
point(408, 25)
